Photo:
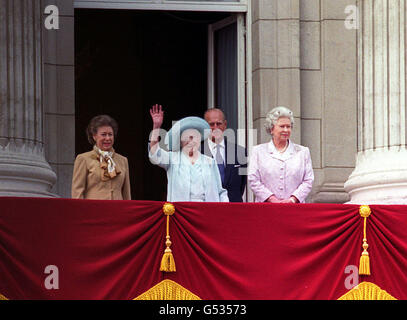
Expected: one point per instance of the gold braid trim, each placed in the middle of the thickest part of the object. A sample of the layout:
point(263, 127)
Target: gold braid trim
point(167, 290)
point(3, 297)
point(367, 291)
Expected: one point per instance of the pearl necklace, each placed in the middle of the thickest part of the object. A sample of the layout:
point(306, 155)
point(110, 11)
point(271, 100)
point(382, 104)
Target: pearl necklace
point(284, 149)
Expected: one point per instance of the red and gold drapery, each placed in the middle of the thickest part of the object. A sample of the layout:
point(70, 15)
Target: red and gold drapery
point(113, 249)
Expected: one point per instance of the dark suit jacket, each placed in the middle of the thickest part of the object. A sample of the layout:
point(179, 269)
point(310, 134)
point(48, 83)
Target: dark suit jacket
point(236, 157)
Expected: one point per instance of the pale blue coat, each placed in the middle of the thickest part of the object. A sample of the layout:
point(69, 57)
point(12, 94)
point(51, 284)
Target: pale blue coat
point(179, 177)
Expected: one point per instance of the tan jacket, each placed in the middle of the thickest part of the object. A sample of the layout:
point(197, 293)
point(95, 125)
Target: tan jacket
point(87, 182)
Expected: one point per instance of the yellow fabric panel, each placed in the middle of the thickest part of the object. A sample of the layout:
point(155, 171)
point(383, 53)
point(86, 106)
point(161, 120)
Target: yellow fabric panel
point(167, 290)
point(367, 291)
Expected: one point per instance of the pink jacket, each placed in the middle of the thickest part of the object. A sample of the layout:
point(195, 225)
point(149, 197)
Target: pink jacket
point(283, 175)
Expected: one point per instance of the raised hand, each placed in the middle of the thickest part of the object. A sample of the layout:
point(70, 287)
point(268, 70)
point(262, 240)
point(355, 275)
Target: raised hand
point(157, 115)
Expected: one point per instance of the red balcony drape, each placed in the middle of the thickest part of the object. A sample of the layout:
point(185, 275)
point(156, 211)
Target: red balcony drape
point(113, 249)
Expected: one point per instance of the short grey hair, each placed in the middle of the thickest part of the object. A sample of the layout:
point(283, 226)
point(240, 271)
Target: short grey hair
point(215, 109)
point(275, 114)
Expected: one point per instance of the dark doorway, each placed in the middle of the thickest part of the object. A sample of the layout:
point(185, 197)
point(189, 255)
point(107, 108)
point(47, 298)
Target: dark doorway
point(126, 61)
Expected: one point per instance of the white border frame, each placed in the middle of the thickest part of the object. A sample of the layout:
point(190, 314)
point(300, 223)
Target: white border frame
point(241, 6)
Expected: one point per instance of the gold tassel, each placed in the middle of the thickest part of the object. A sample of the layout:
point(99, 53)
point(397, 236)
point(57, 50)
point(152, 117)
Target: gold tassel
point(168, 261)
point(364, 263)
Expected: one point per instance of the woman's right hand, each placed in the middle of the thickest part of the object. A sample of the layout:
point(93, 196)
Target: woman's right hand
point(157, 115)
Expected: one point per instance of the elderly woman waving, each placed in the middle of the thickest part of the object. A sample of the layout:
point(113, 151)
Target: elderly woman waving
point(191, 175)
point(280, 171)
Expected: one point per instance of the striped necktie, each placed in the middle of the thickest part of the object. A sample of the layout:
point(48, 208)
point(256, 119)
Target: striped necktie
point(219, 161)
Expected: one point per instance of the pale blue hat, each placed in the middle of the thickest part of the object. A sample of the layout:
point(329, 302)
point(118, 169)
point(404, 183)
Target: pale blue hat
point(173, 137)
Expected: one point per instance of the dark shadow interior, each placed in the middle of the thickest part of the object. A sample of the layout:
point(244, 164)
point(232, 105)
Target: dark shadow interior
point(126, 61)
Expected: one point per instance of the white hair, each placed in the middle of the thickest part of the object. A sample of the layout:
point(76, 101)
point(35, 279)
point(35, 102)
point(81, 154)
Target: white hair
point(275, 114)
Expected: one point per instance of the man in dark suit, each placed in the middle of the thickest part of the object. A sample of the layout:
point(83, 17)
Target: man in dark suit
point(231, 158)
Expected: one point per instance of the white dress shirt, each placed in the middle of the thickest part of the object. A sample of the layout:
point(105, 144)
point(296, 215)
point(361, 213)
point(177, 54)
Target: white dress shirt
point(212, 148)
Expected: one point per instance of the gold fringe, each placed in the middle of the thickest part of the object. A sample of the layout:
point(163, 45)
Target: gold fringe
point(168, 261)
point(364, 263)
point(167, 290)
point(3, 297)
point(367, 291)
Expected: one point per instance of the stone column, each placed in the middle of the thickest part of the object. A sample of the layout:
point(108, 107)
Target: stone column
point(23, 168)
point(380, 175)
point(276, 62)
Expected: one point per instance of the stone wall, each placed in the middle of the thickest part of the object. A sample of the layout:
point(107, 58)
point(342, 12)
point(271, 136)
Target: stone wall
point(306, 59)
point(303, 58)
point(59, 95)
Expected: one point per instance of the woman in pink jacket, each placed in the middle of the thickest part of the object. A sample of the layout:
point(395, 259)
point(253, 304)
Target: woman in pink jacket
point(280, 171)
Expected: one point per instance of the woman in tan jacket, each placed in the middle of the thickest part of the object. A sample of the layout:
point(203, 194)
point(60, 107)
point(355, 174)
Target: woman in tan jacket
point(101, 173)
